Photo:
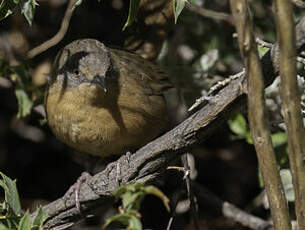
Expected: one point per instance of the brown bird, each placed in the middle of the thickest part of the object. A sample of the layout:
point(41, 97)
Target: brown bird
point(105, 101)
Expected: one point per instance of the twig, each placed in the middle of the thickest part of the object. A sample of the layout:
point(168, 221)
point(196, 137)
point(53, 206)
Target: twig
point(301, 60)
point(291, 103)
point(190, 192)
point(269, 45)
point(169, 225)
point(210, 96)
point(259, 127)
point(298, 3)
point(228, 210)
point(209, 13)
point(60, 34)
point(263, 43)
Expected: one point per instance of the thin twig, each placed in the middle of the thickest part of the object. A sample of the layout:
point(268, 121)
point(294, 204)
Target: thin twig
point(301, 60)
point(291, 103)
point(169, 225)
point(259, 127)
point(298, 3)
point(263, 43)
point(209, 13)
point(190, 192)
point(60, 34)
point(269, 46)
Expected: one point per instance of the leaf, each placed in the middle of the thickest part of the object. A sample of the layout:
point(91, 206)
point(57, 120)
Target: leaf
point(278, 139)
point(238, 125)
point(133, 194)
point(21, 75)
point(134, 200)
point(25, 223)
point(287, 183)
point(28, 9)
point(6, 8)
point(128, 220)
point(262, 50)
point(4, 67)
point(11, 194)
point(3, 227)
point(25, 104)
point(134, 224)
point(178, 6)
point(132, 13)
point(152, 190)
point(39, 219)
point(208, 59)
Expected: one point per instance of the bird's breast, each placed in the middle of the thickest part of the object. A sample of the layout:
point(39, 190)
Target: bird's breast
point(99, 128)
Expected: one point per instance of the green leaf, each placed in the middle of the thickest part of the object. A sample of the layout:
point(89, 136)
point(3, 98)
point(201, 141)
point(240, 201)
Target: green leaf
point(3, 227)
point(278, 139)
point(128, 220)
point(25, 104)
point(134, 224)
point(23, 76)
point(152, 190)
point(287, 183)
point(178, 7)
point(238, 125)
point(132, 14)
point(4, 67)
point(262, 50)
point(25, 223)
point(39, 219)
point(28, 9)
point(6, 8)
point(11, 194)
point(133, 194)
point(249, 138)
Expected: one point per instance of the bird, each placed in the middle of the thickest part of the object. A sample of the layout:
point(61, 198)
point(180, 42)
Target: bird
point(105, 101)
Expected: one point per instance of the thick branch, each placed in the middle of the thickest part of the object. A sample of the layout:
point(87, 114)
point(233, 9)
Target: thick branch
point(149, 161)
point(291, 103)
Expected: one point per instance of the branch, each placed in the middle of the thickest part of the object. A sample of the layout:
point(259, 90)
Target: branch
point(209, 13)
point(259, 127)
point(60, 34)
point(149, 161)
point(291, 103)
point(230, 211)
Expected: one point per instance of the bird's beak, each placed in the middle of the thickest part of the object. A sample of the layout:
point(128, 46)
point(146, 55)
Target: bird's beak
point(100, 81)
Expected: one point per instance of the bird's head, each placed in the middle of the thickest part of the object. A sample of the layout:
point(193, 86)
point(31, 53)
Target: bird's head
point(83, 65)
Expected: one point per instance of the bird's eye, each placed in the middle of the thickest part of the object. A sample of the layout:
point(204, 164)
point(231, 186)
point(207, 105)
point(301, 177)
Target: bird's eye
point(76, 73)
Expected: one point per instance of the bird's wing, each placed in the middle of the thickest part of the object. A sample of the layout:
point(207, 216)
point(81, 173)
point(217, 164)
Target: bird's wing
point(155, 80)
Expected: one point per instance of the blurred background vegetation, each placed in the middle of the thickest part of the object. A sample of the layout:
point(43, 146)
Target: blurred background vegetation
point(198, 52)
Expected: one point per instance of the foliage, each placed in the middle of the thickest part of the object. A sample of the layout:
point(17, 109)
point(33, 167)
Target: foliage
point(132, 14)
point(24, 89)
point(11, 216)
point(27, 8)
point(132, 196)
point(178, 6)
point(239, 127)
